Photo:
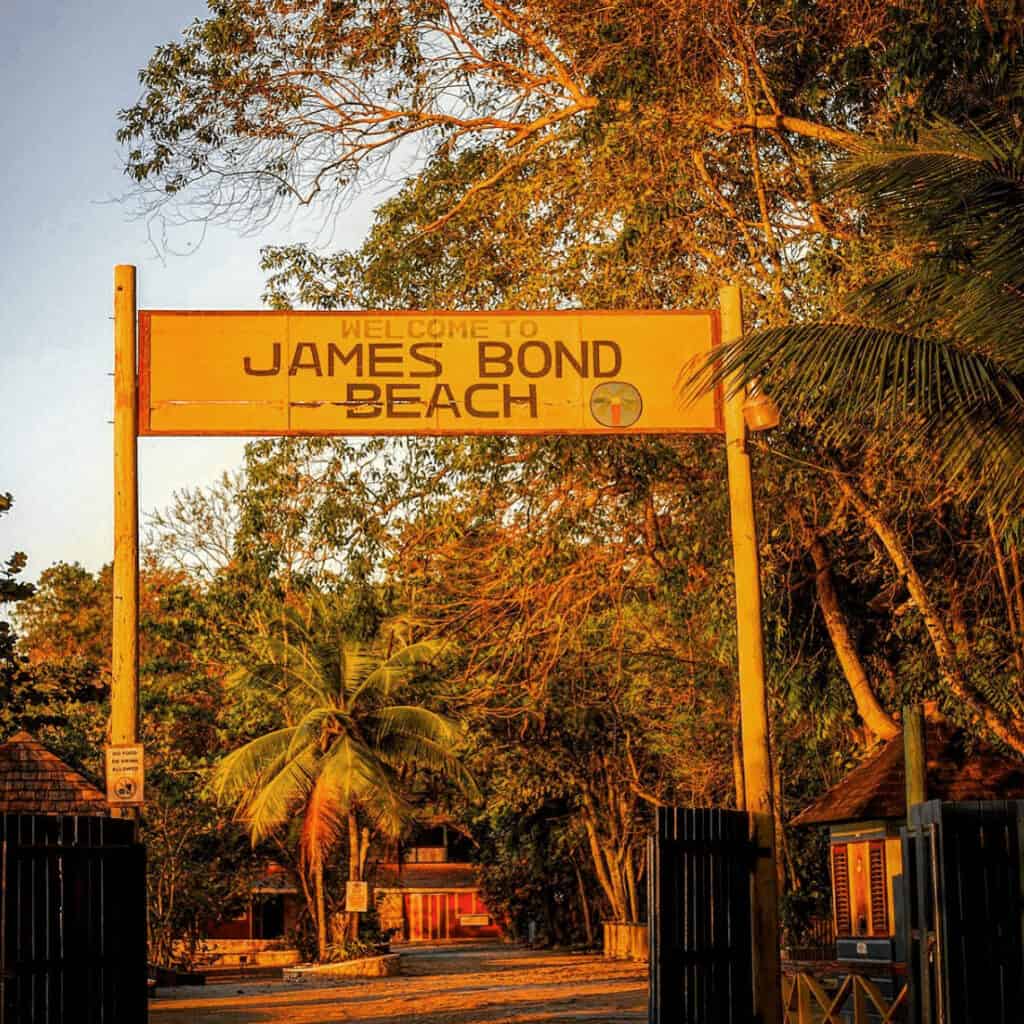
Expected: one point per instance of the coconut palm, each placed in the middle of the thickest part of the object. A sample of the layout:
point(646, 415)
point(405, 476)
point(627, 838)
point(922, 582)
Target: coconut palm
point(933, 354)
point(344, 756)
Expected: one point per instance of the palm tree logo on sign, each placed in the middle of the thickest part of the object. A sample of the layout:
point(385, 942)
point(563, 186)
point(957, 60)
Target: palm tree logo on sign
point(616, 404)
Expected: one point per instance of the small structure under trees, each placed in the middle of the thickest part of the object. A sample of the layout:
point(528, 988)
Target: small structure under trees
point(261, 932)
point(35, 781)
point(864, 813)
point(429, 892)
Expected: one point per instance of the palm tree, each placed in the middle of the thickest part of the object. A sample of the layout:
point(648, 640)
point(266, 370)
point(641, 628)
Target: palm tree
point(344, 756)
point(932, 354)
point(928, 361)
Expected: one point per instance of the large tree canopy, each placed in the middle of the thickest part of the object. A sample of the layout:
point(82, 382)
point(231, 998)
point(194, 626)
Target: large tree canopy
point(932, 352)
point(683, 139)
point(598, 155)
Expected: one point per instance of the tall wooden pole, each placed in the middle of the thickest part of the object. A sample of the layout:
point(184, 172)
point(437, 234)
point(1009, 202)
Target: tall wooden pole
point(757, 766)
point(124, 691)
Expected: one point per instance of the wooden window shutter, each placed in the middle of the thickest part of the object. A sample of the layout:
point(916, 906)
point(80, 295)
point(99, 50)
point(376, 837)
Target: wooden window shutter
point(879, 893)
point(841, 889)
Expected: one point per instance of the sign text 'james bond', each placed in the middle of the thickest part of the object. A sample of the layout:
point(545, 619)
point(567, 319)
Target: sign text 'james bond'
point(379, 362)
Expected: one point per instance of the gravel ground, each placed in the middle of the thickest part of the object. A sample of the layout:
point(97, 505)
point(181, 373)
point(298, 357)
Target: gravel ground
point(490, 984)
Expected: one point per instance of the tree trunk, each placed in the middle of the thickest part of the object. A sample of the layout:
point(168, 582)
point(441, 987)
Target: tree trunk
point(584, 904)
point(783, 857)
point(355, 871)
point(868, 707)
point(307, 892)
point(1018, 585)
point(604, 876)
point(958, 619)
point(1011, 607)
point(321, 911)
point(976, 711)
point(634, 903)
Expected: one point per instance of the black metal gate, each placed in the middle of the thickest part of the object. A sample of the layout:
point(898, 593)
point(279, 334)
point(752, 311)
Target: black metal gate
point(72, 921)
point(701, 966)
point(963, 899)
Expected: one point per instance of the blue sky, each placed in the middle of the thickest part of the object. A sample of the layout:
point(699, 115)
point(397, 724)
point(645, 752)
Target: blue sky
point(66, 68)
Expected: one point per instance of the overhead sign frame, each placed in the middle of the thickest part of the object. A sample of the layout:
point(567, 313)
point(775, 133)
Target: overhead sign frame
point(134, 402)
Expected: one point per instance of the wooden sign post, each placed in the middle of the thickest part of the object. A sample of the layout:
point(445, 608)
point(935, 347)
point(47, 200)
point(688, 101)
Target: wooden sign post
point(124, 689)
point(757, 765)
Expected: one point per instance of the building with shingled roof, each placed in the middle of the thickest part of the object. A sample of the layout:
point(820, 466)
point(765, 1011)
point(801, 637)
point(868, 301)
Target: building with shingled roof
point(35, 781)
point(864, 813)
point(428, 891)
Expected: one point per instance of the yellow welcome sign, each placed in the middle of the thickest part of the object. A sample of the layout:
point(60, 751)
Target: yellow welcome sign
point(424, 372)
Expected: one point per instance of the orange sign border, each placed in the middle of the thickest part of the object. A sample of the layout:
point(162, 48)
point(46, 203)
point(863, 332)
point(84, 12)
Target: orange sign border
point(145, 428)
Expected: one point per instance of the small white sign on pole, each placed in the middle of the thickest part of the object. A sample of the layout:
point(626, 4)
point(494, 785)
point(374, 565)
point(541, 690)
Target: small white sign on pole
point(125, 775)
point(357, 897)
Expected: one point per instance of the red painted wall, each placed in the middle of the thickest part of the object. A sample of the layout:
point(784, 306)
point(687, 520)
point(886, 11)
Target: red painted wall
point(436, 916)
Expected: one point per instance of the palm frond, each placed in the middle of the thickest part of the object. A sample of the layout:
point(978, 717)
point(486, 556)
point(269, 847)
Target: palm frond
point(991, 318)
point(386, 677)
point(409, 734)
point(984, 454)
point(854, 372)
point(950, 171)
point(934, 354)
point(242, 769)
point(346, 749)
point(359, 664)
point(977, 314)
point(310, 729)
point(274, 804)
point(284, 667)
point(355, 775)
point(323, 822)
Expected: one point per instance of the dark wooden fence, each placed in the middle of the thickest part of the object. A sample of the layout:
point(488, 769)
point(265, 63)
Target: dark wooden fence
point(701, 966)
point(72, 921)
point(964, 912)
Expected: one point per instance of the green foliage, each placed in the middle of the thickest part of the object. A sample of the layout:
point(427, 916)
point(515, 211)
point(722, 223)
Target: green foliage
point(199, 868)
point(49, 701)
point(599, 155)
point(933, 353)
point(21, 700)
point(351, 949)
point(349, 743)
point(11, 588)
point(613, 155)
point(198, 865)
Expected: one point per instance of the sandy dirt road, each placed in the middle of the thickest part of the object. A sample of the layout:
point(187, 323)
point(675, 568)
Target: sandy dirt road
point(455, 985)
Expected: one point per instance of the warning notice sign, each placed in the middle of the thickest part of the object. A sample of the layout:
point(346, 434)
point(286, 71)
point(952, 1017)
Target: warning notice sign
point(357, 897)
point(125, 775)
